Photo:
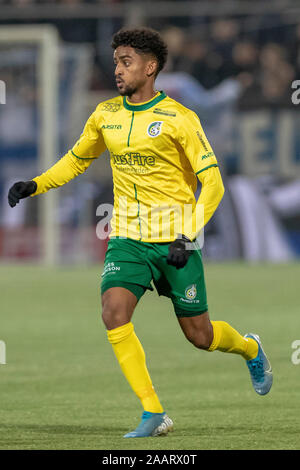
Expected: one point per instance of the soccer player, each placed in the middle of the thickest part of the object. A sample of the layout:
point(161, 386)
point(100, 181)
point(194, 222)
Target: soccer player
point(157, 151)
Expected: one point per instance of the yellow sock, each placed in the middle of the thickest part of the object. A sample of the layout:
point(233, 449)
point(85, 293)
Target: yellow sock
point(131, 357)
point(227, 339)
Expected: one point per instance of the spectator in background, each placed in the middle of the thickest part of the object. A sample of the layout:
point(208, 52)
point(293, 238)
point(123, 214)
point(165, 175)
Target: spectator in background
point(223, 33)
point(276, 76)
point(175, 38)
point(199, 61)
point(266, 75)
point(245, 66)
point(245, 58)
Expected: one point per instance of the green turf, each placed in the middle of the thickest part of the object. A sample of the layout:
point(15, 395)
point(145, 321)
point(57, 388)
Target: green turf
point(62, 388)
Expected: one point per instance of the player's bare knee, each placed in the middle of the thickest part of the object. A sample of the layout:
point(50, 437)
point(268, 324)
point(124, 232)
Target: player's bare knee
point(113, 316)
point(117, 307)
point(200, 339)
point(198, 330)
point(113, 320)
point(115, 312)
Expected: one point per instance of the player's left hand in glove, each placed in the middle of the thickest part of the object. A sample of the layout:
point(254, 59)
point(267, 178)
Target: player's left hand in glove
point(20, 190)
point(179, 252)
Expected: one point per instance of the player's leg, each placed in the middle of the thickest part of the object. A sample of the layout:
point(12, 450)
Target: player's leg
point(216, 335)
point(187, 290)
point(220, 336)
point(118, 305)
point(198, 330)
point(125, 262)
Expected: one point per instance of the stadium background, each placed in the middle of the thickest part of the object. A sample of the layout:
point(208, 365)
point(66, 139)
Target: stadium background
point(234, 63)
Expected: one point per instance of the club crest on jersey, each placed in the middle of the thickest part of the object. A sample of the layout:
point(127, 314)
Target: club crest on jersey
point(191, 292)
point(154, 129)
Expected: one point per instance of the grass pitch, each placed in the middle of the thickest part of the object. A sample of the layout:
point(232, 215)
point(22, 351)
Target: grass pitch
point(62, 388)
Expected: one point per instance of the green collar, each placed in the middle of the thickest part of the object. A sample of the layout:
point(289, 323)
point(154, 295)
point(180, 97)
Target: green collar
point(146, 105)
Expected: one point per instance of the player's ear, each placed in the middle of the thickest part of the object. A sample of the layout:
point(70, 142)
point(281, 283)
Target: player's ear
point(151, 68)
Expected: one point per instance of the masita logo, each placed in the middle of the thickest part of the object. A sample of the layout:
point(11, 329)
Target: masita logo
point(111, 126)
point(154, 129)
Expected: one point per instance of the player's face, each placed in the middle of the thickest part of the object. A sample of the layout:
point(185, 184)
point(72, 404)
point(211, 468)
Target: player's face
point(132, 70)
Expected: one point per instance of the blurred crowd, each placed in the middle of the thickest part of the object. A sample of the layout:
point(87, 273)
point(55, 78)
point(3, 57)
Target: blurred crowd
point(248, 62)
point(262, 53)
point(264, 62)
point(263, 58)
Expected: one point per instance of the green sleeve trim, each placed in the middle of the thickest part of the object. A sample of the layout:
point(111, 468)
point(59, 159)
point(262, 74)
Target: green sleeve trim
point(83, 158)
point(206, 168)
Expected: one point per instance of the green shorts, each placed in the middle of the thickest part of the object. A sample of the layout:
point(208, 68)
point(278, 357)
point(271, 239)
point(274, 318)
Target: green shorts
point(134, 264)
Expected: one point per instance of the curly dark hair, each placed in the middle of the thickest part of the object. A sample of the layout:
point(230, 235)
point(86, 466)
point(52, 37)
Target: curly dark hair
point(144, 41)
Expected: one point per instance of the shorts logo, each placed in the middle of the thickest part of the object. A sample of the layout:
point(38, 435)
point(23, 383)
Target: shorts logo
point(154, 129)
point(191, 292)
point(110, 268)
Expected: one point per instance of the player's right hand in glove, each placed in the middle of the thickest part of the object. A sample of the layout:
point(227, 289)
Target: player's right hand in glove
point(20, 190)
point(179, 252)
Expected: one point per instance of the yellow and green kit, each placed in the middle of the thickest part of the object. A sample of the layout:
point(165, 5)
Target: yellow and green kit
point(157, 150)
point(134, 264)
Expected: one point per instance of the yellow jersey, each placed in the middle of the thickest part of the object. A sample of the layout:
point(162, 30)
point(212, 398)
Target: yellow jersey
point(157, 149)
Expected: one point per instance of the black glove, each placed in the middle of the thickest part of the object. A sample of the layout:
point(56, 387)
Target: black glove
point(179, 252)
point(20, 190)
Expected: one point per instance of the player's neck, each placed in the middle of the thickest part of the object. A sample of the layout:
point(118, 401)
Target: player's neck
point(142, 95)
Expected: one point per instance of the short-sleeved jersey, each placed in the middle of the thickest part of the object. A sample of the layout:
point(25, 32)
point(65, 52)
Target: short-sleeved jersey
point(156, 150)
